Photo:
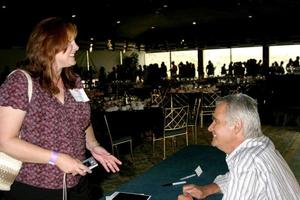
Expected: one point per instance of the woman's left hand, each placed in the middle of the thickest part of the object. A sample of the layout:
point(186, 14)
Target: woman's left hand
point(108, 161)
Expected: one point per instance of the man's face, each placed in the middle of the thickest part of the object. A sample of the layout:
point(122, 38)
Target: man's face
point(224, 137)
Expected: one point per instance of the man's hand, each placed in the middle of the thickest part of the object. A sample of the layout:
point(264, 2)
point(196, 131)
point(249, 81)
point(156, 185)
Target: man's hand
point(198, 192)
point(185, 197)
point(195, 191)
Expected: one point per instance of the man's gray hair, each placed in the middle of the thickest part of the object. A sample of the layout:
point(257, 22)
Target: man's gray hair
point(242, 107)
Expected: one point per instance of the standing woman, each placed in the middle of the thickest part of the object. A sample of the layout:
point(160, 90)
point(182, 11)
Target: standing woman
point(55, 125)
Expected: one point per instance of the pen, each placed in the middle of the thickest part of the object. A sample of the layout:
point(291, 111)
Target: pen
point(186, 177)
point(179, 183)
point(175, 183)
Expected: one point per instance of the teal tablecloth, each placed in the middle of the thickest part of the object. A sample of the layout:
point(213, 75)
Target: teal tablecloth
point(181, 164)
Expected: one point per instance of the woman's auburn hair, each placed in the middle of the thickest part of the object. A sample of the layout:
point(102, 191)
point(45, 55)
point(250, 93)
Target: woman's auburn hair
point(48, 38)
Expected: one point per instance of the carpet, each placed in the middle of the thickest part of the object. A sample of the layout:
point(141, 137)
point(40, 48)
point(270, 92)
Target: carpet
point(284, 138)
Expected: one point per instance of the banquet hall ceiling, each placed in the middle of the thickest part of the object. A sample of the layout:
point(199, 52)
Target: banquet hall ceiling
point(159, 24)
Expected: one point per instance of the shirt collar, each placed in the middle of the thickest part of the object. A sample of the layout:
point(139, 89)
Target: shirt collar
point(261, 141)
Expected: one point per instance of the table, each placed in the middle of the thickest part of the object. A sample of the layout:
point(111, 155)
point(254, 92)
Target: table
point(180, 164)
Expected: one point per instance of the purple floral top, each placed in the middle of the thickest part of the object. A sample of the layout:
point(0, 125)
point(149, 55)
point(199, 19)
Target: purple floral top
point(49, 124)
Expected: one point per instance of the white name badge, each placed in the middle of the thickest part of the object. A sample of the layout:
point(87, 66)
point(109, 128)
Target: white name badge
point(79, 95)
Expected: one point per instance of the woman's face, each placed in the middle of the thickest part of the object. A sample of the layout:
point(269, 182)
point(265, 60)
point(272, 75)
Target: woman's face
point(66, 58)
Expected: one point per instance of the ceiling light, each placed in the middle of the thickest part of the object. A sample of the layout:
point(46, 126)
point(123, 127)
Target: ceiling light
point(73, 16)
point(152, 27)
point(165, 6)
point(194, 23)
point(118, 22)
point(3, 6)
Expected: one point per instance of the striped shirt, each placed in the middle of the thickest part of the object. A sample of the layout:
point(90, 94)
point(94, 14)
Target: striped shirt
point(258, 171)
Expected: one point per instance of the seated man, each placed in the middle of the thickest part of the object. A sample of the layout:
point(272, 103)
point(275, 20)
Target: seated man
point(256, 168)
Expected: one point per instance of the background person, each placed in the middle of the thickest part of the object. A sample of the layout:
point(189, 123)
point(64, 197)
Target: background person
point(55, 126)
point(256, 168)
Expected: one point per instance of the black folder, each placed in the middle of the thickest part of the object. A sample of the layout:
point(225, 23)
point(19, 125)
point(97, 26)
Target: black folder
point(131, 196)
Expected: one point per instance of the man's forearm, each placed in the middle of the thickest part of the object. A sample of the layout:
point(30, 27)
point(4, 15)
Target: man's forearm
point(210, 189)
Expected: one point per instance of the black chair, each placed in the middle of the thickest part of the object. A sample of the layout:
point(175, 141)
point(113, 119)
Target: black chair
point(119, 141)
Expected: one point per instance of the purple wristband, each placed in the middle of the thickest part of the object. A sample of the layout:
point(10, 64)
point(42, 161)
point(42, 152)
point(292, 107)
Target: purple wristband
point(53, 158)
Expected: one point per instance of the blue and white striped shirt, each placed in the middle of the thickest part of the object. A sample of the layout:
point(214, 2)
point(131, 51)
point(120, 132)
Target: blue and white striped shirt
point(257, 171)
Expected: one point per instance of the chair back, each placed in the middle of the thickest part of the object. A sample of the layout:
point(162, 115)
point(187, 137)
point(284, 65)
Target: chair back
point(195, 112)
point(209, 101)
point(108, 132)
point(175, 100)
point(208, 104)
point(158, 96)
point(176, 118)
point(175, 124)
point(234, 90)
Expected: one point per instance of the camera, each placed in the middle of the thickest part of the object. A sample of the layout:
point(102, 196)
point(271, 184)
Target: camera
point(90, 163)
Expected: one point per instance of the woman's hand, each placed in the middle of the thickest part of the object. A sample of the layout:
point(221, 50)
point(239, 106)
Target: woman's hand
point(70, 165)
point(108, 161)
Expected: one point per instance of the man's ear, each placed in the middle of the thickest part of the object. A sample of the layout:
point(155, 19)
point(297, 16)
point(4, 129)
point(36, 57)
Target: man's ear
point(237, 126)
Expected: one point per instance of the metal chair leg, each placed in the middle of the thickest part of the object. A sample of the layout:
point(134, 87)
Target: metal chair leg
point(187, 139)
point(201, 120)
point(164, 148)
point(117, 151)
point(131, 151)
point(195, 134)
point(153, 145)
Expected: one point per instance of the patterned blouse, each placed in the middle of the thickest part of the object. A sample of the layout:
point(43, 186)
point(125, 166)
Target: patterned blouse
point(49, 124)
